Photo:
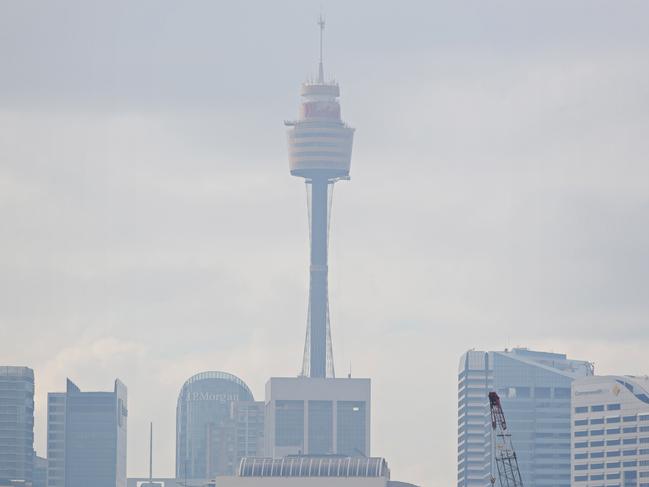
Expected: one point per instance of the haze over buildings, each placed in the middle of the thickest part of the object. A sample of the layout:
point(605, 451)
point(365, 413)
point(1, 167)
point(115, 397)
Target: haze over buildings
point(499, 197)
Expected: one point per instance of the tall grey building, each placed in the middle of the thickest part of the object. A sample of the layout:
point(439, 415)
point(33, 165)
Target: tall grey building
point(16, 423)
point(534, 388)
point(217, 423)
point(86, 437)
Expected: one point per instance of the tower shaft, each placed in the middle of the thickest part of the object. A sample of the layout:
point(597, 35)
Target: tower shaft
point(319, 357)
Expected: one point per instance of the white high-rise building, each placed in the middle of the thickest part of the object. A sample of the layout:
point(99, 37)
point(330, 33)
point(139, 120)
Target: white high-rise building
point(610, 431)
point(534, 388)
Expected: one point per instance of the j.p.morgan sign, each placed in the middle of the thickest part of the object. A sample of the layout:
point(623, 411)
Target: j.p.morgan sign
point(210, 396)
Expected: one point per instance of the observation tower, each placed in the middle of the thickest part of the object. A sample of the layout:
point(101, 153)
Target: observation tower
point(320, 149)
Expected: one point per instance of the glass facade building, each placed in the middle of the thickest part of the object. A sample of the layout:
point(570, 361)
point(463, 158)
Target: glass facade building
point(534, 388)
point(217, 421)
point(87, 437)
point(16, 423)
point(610, 432)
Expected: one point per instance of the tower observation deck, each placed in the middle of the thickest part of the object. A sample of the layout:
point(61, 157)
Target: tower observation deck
point(320, 148)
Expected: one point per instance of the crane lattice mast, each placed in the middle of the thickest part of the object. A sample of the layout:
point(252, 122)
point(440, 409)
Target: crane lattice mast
point(503, 453)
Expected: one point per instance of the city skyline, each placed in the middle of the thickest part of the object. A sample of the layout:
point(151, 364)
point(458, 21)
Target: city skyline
point(151, 230)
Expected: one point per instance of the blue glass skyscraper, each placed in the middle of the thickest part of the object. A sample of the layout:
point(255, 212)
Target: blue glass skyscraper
point(86, 435)
point(534, 388)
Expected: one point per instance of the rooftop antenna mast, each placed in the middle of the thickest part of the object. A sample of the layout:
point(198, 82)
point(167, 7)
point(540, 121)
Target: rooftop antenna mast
point(321, 23)
point(151, 455)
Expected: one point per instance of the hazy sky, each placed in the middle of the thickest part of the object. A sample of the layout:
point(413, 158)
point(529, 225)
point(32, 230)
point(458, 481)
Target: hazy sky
point(150, 228)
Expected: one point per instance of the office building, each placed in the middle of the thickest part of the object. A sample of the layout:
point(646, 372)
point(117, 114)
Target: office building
point(16, 424)
point(311, 471)
point(86, 437)
point(309, 416)
point(534, 388)
point(217, 422)
point(610, 431)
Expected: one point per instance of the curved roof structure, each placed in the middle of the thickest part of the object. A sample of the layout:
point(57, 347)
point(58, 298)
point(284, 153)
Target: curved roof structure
point(314, 466)
point(215, 374)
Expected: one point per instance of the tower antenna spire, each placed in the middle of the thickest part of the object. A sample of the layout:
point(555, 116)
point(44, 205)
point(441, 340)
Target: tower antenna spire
point(321, 23)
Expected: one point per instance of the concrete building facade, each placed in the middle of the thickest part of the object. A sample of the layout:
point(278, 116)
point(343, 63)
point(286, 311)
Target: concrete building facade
point(610, 431)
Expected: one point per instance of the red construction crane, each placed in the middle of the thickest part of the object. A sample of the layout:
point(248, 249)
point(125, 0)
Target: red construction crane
point(502, 450)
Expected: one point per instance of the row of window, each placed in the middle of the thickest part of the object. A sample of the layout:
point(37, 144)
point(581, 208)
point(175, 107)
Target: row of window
point(599, 466)
point(600, 454)
point(611, 476)
point(595, 444)
point(612, 419)
point(598, 408)
point(614, 453)
point(612, 431)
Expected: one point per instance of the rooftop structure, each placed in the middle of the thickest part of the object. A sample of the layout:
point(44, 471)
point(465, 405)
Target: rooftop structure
point(320, 148)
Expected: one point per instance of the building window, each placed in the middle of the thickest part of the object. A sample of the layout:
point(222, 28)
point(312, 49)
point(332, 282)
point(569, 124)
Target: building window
point(562, 393)
point(351, 430)
point(613, 465)
point(596, 432)
point(630, 441)
point(581, 444)
point(627, 419)
point(597, 454)
point(581, 456)
point(289, 423)
point(581, 478)
point(613, 476)
point(596, 409)
point(613, 419)
point(597, 443)
point(613, 431)
point(597, 421)
point(613, 407)
point(581, 422)
point(320, 427)
point(613, 442)
point(583, 466)
point(613, 453)
point(628, 453)
point(581, 433)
